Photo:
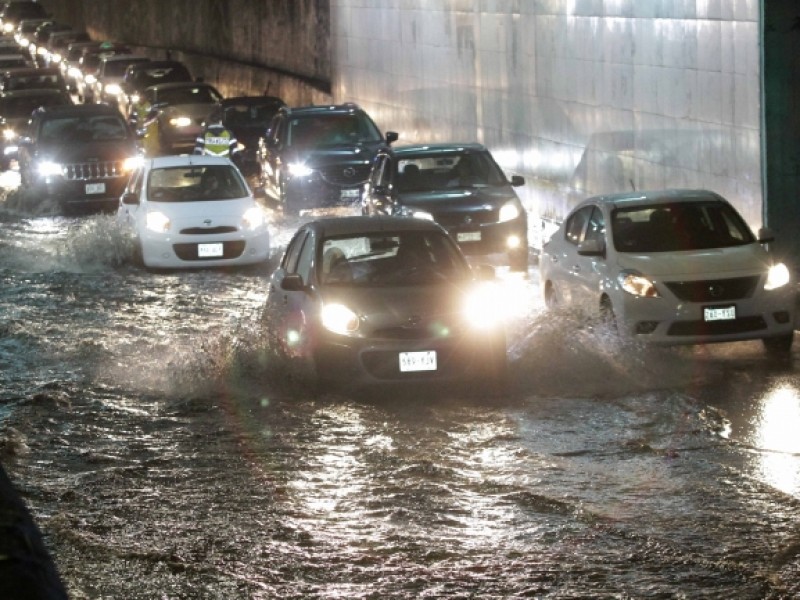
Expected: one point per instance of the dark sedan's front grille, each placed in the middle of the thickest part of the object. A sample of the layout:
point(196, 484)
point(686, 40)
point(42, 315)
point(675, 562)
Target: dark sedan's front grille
point(713, 290)
point(94, 170)
point(229, 250)
point(465, 218)
point(208, 230)
point(345, 175)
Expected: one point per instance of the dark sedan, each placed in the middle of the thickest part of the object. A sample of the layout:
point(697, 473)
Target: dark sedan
point(461, 187)
point(385, 300)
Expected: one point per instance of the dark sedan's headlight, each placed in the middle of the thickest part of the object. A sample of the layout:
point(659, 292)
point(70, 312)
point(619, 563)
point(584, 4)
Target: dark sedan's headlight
point(179, 122)
point(48, 168)
point(509, 211)
point(300, 170)
point(777, 277)
point(337, 318)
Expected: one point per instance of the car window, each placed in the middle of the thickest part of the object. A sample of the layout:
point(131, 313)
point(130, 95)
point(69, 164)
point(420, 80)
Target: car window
point(331, 129)
point(379, 177)
point(84, 129)
point(391, 258)
point(438, 171)
point(576, 224)
point(596, 229)
point(292, 255)
point(195, 184)
point(305, 260)
point(678, 226)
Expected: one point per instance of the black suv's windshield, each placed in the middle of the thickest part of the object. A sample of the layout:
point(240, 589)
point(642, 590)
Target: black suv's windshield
point(671, 227)
point(83, 129)
point(331, 129)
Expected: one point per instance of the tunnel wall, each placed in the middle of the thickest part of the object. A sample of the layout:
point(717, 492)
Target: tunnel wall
point(580, 96)
point(279, 47)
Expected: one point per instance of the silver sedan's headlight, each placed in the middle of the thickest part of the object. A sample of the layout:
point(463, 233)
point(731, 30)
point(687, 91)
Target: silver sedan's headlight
point(637, 284)
point(777, 277)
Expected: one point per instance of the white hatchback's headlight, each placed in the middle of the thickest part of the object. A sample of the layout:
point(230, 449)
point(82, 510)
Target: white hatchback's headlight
point(158, 222)
point(300, 170)
point(253, 218)
point(180, 121)
point(48, 168)
point(777, 277)
point(637, 284)
point(508, 212)
point(339, 319)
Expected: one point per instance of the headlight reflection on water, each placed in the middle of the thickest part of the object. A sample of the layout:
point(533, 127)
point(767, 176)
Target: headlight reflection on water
point(776, 427)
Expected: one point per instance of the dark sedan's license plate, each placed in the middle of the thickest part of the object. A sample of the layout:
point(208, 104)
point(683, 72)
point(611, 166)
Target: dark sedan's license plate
point(719, 313)
point(417, 361)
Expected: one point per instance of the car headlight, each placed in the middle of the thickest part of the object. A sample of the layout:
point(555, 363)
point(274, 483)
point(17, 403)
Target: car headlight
point(300, 170)
point(9, 135)
point(48, 168)
point(158, 222)
point(180, 121)
point(132, 163)
point(90, 79)
point(253, 218)
point(339, 319)
point(414, 213)
point(637, 284)
point(135, 98)
point(777, 277)
point(74, 73)
point(509, 211)
point(485, 307)
point(113, 89)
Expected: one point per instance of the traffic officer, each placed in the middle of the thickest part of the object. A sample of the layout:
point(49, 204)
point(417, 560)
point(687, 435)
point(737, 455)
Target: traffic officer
point(216, 140)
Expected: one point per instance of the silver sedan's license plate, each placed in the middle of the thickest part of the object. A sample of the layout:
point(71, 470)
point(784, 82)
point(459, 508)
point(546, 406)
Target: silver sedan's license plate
point(209, 250)
point(418, 361)
point(95, 188)
point(719, 313)
point(468, 236)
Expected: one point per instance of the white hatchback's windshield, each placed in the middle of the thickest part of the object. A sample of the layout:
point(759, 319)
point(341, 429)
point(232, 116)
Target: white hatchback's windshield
point(678, 226)
point(195, 183)
point(402, 258)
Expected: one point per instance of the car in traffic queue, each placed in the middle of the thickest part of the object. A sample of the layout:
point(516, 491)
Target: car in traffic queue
point(461, 187)
point(16, 109)
point(27, 78)
point(670, 267)
point(23, 32)
point(385, 300)
point(15, 11)
point(56, 48)
point(85, 74)
point(177, 116)
point(247, 117)
point(193, 212)
point(107, 86)
point(140, 76)
point(79, 156)
point(319, 156)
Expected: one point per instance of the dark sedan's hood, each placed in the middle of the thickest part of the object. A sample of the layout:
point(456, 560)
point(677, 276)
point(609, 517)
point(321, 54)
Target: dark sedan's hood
point(324, 156)
point(98, 151)
point(459, 199)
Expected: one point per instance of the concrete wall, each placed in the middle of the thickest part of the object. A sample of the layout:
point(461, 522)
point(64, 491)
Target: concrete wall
point(281, 47)
point(580, 96)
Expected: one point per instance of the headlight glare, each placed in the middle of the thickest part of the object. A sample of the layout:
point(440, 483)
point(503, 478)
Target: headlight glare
point(509, 211)
point(777, 277)
point(48, 168)
point(253, 218)
point(9, 134)
point(637, 284)
point(113, 89)
point(132, 162)
point(339, 319)
point(484, 308)
point(158, 222)
point(299, 170)
point(180, 121)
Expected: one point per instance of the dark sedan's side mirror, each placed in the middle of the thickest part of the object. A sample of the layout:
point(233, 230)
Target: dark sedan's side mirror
point(592, 248)
point(392, 136)
point(517, 180)
point(293, 283)
point(766, 235)
point(130, 198)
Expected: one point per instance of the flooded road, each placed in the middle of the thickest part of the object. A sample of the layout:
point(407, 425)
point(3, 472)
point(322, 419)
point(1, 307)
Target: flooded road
point(166, 455)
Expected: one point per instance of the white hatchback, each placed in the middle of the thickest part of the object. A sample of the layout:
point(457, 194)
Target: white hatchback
point(671, 267)
point(194, 211)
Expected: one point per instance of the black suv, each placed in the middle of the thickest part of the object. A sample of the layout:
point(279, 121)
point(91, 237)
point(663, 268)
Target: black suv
point(319, 156)
point(80, 155)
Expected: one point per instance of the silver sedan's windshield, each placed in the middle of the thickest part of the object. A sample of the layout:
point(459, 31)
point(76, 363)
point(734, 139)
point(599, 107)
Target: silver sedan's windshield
point(677, 226)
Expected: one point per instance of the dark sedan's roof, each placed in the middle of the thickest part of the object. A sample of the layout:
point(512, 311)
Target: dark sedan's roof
point(80, 110)
point(438, 148)
point(177, 85)
point(33, 93)
point(252, 100)
point(333, 226)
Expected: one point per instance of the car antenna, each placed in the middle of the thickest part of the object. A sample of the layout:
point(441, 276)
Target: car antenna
point(633, 185)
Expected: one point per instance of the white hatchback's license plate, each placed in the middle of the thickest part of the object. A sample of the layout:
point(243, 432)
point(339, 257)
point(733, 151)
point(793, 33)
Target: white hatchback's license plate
point(350, 194)
point(469, 236)
point(418, 361)
point(209, 250)
point(719, 313)
point(95, 188)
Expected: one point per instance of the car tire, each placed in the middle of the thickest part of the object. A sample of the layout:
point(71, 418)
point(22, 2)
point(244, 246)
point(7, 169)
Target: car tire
point(780, 346)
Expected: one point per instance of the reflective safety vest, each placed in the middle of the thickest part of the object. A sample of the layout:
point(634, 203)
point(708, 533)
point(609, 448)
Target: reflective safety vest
point(216, 141)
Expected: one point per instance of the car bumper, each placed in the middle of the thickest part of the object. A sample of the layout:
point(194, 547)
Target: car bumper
point(308, 193)
point(355, 361)
point(491, 238)
point(202, 251)
point(665, 322)
point(86, 195)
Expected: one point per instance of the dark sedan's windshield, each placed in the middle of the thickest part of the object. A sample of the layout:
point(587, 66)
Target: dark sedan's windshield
point(401, 258)
point(440, 171)
point(187, 95)
point(671, 227)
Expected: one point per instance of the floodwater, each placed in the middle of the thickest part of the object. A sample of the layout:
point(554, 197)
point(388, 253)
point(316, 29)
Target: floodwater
point(165, 455)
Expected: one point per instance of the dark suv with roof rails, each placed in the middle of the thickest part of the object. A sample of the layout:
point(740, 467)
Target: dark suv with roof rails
point(79, 156)
point(319, 156)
